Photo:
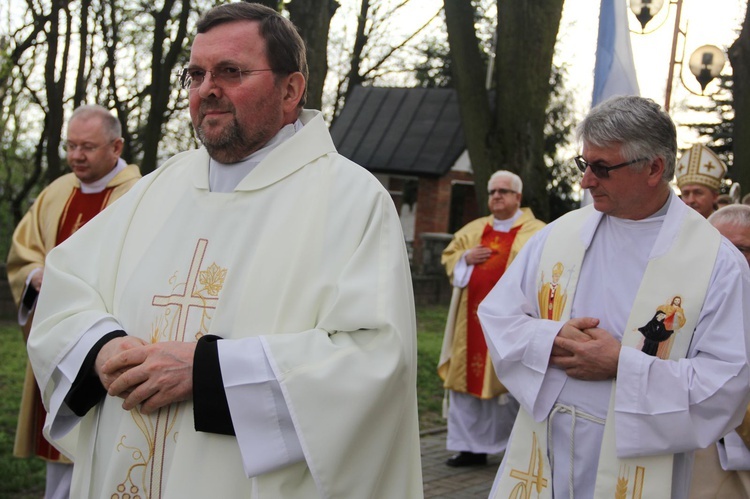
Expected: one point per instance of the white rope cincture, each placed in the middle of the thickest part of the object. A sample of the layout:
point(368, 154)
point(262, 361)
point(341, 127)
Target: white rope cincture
point(575, 413)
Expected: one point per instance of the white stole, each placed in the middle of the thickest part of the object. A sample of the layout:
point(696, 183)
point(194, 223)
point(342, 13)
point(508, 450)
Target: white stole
point(683, 271)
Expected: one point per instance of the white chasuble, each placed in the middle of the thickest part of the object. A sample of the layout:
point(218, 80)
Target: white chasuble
point(653, 396)
point(306, 254)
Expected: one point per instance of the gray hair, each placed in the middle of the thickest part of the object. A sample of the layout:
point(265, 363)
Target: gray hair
point(112, 126)
point(515, 180)
point(285, 48)
point(733, 214)
point(639, 125)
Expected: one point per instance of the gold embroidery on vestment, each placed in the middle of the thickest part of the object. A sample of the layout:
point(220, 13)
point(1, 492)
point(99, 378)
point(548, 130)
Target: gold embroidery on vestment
point(533, 476)
point(199, 291)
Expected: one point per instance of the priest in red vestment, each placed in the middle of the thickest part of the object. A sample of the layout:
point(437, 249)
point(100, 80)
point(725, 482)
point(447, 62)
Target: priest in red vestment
point(99, 176)
point(480, 413)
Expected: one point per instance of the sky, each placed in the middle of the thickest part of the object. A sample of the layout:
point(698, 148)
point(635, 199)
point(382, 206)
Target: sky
point(715, 22)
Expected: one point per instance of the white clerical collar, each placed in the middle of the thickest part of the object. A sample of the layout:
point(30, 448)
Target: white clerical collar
point(655, 218)
point(101, 184)
point(224, 177)
point(505, 225)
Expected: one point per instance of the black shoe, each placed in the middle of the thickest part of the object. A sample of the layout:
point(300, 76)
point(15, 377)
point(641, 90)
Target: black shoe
point(467, 459)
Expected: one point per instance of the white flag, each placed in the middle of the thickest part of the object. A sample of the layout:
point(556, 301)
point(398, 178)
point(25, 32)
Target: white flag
point(614, 72)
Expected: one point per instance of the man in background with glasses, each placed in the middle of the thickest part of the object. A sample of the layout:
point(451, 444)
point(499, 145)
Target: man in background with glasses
point(252, 331)
point(599, 416)
point(99, 176)
point(480, 415)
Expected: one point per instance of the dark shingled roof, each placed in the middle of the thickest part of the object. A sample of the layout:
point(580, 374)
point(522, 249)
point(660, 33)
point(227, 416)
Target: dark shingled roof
point(407, 131)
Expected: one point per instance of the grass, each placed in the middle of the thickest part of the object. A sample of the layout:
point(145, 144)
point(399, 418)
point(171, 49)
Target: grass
point(430, 327)
point(24, 478)
point(21, 478)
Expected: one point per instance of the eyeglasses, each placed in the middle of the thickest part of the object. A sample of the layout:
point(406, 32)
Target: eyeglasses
point(598, 170)
point(502, 192)
point(84, 148)
point(225, 76)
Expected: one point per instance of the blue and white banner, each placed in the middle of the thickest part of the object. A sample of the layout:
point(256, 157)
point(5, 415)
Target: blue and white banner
point(614, 72)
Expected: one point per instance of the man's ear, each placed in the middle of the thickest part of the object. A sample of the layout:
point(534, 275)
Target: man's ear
point(656, 170)
point(119, 144)
point(294, 89)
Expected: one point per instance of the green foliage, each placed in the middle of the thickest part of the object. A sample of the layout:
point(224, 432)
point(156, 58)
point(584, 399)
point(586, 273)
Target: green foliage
point(430, 327)
point(561, 176)
point(20, 477)
point(716, 128)
point(433, 70)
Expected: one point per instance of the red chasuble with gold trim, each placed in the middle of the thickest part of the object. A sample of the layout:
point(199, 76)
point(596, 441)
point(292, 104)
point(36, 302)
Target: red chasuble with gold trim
point(79, 209)
point(483, 279)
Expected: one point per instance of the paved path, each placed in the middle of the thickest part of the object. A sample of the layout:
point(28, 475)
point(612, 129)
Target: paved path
point(444, 482)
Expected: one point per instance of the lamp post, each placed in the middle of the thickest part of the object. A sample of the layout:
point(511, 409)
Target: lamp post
point(705, 63)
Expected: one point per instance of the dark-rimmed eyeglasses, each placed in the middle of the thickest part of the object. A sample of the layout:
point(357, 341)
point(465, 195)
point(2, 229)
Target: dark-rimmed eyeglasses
point(502, 192)
point(224, 76)
point(601, 171)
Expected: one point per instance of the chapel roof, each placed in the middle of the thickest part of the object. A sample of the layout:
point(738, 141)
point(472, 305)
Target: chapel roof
point(407, 131)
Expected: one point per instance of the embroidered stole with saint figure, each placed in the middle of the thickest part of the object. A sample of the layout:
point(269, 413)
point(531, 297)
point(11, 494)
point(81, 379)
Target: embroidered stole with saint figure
point(526, 472)
point(483, 279)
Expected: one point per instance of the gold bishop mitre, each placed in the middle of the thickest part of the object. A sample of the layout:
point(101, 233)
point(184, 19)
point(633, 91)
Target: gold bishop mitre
point(700, 165)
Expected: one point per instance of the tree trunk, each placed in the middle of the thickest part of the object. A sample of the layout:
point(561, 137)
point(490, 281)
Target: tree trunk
point(55, 86)
point(739, 57)
point(162, 78)
point(313, 20)
point(512, 138)
point(527, 32)
point(354, 77)
point(468, 72)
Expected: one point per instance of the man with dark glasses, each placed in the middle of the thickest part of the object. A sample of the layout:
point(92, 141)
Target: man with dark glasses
point(600, 417)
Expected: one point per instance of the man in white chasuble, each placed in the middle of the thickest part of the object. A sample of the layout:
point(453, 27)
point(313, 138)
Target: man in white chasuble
point(600, 417)
point(480, 413)
point(99, 176)
point(723, 469)
point(242, 324)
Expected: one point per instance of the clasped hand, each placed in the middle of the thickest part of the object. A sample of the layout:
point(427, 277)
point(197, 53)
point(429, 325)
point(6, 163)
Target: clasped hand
point(586, 351)
point(151, 375)
point(478, 254)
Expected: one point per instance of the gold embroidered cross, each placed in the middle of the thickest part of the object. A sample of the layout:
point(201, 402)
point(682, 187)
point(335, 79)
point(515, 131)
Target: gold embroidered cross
point(533, 476)
point(190, 297)
point(162, 431)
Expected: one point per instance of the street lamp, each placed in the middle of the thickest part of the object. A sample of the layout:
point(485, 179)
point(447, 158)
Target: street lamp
point(645, 10)
point(706, 63)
